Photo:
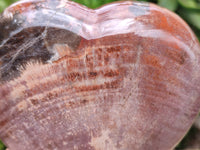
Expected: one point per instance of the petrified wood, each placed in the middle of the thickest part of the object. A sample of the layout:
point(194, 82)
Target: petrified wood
point(125, 76)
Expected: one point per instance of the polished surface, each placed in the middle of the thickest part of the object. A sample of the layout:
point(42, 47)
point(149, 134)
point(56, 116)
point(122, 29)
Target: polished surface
point(125, 76)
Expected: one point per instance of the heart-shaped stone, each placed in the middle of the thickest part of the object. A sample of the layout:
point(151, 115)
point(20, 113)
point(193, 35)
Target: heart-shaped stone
point(125, 76)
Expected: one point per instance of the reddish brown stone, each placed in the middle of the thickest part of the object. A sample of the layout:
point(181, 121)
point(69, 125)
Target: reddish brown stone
point(125, 76)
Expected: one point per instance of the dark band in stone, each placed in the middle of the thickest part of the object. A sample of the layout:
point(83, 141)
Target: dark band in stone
point(19, 49)
point(32, 44)
point(61, 36)
point(7, 25)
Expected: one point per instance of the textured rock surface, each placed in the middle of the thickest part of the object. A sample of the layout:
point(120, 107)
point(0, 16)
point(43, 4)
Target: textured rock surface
point(124, 76)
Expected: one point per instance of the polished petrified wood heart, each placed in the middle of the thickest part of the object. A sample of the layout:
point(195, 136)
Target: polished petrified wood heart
point(122, 77)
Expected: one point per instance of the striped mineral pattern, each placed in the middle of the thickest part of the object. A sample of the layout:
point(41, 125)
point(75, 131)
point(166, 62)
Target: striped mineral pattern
point(125, 76)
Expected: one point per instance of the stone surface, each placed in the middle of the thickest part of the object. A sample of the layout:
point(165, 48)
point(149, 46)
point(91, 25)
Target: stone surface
point(125, 76)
